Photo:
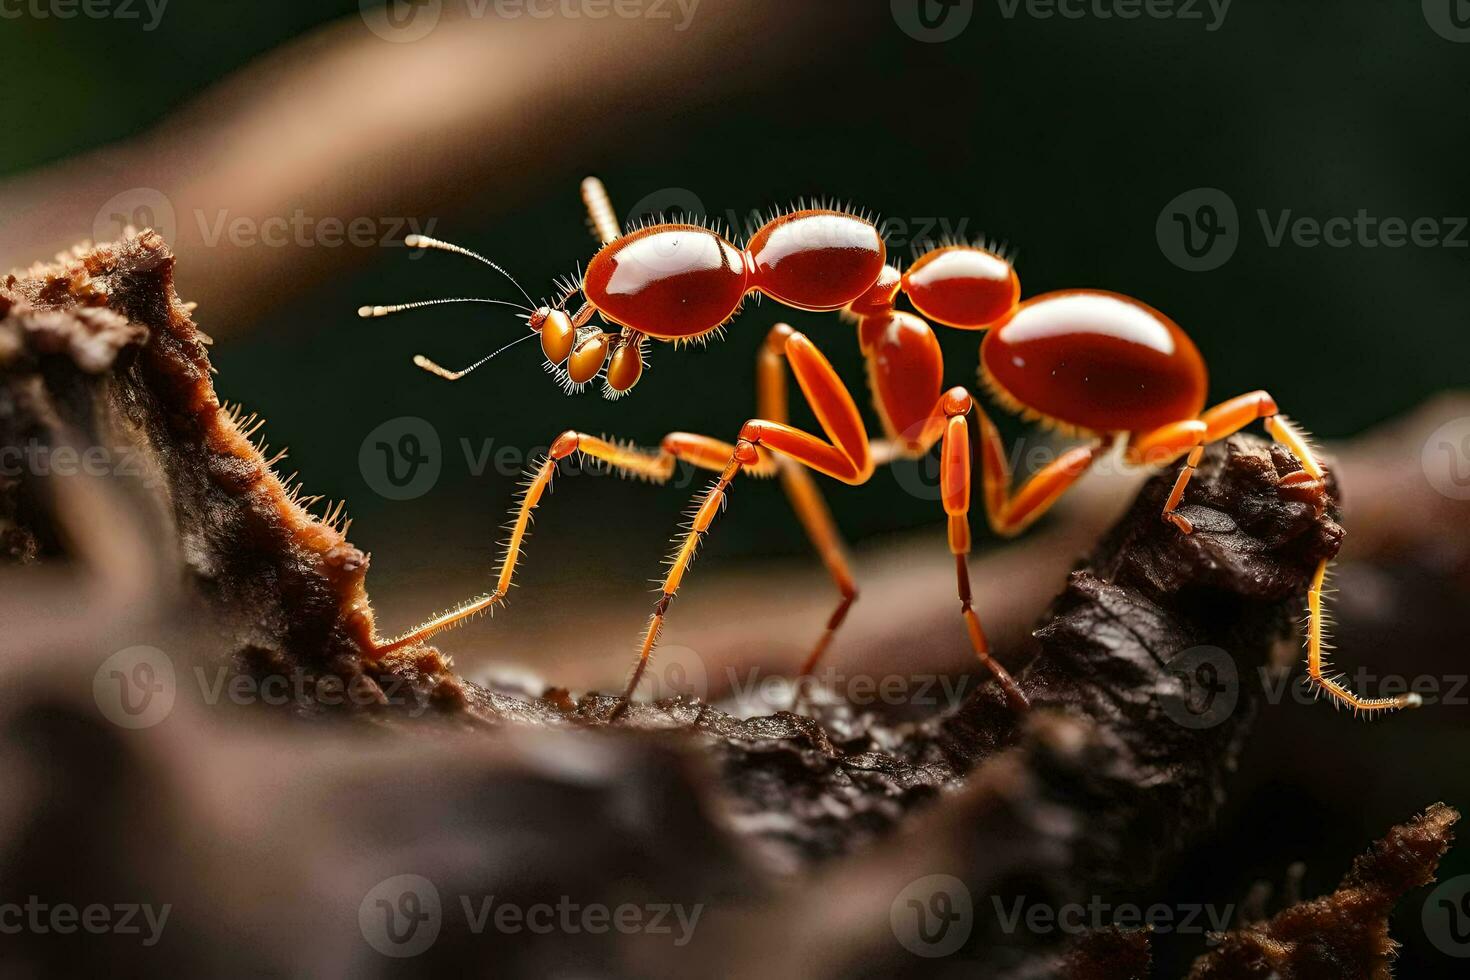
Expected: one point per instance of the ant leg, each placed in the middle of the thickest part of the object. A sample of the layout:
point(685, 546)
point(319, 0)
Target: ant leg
point(1316, 660)
point(806, 500)
point(1222, 421)
point(1164, 445)
point(1011, 512)
point(626, 461)
point(954, 481)
point(1228, 418)
point(846, 457)
point(601, 217)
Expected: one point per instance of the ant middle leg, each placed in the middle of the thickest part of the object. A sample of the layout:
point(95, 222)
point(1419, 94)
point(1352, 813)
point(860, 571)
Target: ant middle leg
point(845, 454)
point(955, 491)
point(1012, 511)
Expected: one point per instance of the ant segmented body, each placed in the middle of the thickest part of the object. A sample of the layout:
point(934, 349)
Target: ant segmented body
point(1096, 363)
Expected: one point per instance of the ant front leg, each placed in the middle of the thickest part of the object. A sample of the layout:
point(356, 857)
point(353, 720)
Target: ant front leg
point(805, 498)
point(845, 455)
point(625, 461)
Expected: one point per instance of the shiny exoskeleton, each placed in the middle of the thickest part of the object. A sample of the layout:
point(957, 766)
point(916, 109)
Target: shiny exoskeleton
point(1097, 364)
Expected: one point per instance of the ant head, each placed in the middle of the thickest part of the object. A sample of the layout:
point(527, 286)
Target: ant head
point(576, 350)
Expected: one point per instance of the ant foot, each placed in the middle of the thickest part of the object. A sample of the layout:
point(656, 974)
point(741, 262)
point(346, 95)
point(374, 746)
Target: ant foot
point(1304, 488)
point(1182, 523)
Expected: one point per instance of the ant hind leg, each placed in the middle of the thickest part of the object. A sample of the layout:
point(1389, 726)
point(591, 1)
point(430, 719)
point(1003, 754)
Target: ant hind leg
point(1220, 422)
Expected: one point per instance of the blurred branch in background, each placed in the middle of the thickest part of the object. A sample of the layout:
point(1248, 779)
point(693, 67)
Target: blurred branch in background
point(345, 123)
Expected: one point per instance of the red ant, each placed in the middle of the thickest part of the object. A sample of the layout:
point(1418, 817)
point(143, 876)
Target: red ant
point(1086, 361)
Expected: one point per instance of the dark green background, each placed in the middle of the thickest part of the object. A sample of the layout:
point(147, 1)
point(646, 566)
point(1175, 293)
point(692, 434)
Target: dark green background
point(1064, 138)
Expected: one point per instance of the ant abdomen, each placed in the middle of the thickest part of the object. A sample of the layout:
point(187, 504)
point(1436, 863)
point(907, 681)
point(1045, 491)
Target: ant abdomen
point(816, 260)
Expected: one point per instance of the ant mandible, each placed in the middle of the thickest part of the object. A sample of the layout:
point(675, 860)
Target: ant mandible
point(1091, 362)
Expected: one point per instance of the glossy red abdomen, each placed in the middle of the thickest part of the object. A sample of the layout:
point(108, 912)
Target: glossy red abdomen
point(669, 281)
point(1097, 361)
point(962, 286)
point(816, 260)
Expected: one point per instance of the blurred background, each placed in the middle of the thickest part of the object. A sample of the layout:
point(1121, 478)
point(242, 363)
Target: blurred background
point(1169, 157)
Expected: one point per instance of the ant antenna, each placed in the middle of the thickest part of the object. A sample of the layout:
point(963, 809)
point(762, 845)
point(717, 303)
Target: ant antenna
point(424, 241)
point(428, 365)
point(368, 312)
